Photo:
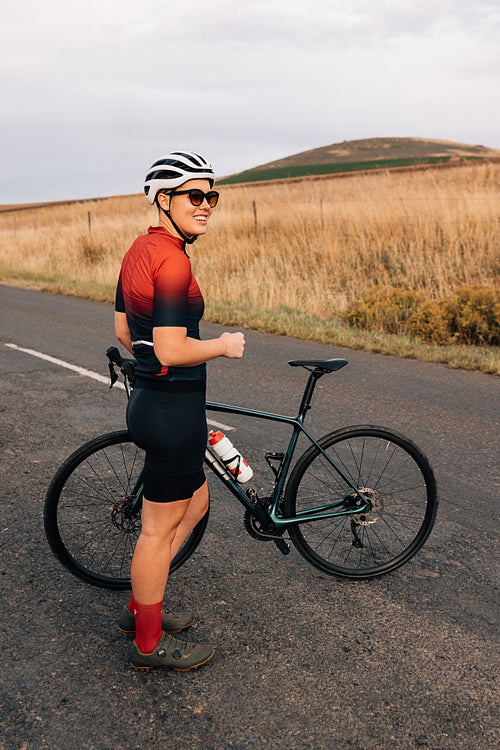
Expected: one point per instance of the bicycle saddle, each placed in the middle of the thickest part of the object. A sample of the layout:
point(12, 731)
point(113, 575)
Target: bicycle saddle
point(323, 365)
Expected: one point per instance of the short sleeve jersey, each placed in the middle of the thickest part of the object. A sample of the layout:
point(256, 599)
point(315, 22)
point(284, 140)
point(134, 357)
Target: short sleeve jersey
point(156, 287)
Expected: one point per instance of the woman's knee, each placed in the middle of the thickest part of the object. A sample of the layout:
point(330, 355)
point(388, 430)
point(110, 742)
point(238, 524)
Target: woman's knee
point(162, 519)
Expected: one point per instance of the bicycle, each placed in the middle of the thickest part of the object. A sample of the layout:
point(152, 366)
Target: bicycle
point(358, 503)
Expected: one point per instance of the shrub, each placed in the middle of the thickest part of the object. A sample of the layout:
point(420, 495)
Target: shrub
point(473, 316)
point(429, 324)
point(469, 316)
point(385, 309)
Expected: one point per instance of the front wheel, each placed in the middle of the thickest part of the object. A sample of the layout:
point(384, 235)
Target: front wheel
point(392, 473)
point(92, 512)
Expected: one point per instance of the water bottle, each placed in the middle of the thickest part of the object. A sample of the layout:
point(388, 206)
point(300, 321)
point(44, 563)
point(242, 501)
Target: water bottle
point(230, 456)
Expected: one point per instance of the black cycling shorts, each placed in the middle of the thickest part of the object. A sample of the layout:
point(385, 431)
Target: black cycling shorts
point(168, 420)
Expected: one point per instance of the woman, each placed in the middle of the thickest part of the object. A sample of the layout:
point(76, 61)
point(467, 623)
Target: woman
point(158, 309)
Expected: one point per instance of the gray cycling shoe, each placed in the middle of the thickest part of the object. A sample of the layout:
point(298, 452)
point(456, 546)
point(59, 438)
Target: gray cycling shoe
point(171, 653)
point(171, 622)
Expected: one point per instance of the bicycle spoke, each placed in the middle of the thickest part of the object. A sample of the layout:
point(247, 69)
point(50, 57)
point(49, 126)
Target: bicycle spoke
point(92, 512)
point(385, 469)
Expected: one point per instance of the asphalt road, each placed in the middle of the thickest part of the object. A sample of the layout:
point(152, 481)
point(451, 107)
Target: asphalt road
point(303, 660)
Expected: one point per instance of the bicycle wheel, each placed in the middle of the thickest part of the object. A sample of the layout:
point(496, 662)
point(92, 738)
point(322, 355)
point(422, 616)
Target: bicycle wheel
point(92, 513)
point(392, 473)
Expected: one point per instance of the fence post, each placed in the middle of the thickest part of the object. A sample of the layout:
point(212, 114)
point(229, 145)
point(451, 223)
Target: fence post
point(90, 223)
point(255, 217)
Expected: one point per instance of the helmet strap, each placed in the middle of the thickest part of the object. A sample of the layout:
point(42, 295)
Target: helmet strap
point(187, 239)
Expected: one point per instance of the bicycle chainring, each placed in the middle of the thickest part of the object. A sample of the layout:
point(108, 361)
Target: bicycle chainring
point(255, 529)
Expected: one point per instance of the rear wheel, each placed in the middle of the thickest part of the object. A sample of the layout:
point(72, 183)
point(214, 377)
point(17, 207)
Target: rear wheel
point(92, 512)
point(392, 473)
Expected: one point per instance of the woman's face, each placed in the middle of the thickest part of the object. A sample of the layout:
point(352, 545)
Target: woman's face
point(192, 220)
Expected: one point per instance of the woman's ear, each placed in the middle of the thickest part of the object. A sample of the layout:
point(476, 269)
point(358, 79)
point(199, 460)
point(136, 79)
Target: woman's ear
point(163, 201)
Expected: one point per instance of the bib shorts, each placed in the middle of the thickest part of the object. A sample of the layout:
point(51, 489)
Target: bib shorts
point(168, 420)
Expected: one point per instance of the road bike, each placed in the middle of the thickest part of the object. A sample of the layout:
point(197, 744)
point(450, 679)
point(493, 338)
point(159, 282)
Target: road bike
point(358, 503)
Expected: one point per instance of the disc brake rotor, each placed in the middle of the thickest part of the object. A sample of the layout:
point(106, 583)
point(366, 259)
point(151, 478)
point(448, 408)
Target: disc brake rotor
point(121, 516)
point(375, 513)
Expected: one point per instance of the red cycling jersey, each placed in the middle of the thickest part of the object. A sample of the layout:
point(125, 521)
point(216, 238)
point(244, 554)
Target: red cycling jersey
point(156, 287)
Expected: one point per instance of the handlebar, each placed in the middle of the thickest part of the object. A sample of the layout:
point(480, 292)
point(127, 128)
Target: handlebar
point(126, 367)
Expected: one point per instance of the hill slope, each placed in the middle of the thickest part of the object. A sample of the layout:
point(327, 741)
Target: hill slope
point(368, 153)
point(373, 149)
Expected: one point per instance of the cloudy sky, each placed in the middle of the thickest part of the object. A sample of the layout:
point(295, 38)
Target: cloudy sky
point(93, 91)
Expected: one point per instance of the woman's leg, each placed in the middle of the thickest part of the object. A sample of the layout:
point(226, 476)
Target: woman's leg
point(152, 555)
point(198, 506)
point(171, 622)
point(150, 567)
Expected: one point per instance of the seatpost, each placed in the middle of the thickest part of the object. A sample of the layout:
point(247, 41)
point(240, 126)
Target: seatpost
point(305, 404)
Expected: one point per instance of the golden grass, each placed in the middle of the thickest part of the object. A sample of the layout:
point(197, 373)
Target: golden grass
point(293, 250)
point(430, 231)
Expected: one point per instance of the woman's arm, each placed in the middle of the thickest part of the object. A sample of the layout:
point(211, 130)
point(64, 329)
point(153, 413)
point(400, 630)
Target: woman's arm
point(174, 348)
point(122, 331)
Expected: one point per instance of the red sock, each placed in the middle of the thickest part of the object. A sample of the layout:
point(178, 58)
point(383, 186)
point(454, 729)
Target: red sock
point(147, 625)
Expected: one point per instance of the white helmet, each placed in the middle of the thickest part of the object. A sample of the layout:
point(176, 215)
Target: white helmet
point(172, 170)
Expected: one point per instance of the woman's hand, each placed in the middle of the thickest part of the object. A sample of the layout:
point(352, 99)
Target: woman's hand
point(234, 344)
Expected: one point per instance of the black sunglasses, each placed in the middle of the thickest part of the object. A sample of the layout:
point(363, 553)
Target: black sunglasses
point(197, 196)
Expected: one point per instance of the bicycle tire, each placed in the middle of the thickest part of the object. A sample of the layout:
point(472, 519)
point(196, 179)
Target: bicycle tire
point(87, 518)
point(392, 472)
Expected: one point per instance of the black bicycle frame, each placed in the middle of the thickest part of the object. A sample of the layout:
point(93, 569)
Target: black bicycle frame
point(330, 510)
point(326, 511)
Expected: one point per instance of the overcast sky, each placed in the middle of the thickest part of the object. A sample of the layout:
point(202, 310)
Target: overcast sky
point(93, 91)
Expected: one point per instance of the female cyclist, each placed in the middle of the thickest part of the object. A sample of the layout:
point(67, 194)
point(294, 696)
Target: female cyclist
point(158, 309)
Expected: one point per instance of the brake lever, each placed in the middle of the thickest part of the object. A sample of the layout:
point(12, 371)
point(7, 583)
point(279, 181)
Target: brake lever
point(112, 374)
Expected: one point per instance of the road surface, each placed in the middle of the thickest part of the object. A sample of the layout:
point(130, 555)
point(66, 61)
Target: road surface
point(304, 660)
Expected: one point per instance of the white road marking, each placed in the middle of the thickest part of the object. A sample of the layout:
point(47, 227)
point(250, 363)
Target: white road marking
point(93, 375)
point(67, 365)
point(225, 427)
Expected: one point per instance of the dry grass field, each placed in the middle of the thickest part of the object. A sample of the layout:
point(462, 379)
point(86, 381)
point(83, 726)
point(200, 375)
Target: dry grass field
point(290, 257)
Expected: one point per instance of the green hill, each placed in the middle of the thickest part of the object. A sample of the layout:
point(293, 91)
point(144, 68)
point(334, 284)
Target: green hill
point(370, 153)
